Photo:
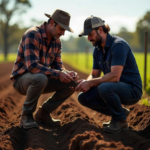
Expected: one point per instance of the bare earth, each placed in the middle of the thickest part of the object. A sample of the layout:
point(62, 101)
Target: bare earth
point(81, 127)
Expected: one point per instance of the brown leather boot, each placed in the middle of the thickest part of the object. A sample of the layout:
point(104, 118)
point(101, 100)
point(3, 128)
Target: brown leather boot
point(27, 121)
point(42, 116)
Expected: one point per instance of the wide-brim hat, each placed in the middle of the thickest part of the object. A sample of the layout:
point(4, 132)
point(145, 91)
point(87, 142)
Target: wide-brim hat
point(90, 24)
point(62, 18)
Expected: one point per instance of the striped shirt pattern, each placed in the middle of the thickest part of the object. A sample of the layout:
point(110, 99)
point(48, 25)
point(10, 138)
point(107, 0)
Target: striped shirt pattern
point(36, 54)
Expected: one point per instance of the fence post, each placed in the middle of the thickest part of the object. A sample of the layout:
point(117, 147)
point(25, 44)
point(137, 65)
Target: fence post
point(145, 56)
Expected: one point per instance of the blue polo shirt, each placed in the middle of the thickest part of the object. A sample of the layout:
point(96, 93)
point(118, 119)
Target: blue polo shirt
point(118, 52)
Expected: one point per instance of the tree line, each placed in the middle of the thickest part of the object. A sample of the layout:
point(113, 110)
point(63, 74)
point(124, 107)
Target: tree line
point(10, 35)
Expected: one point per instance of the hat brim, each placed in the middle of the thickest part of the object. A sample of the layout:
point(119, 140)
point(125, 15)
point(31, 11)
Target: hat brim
point(85, 32)
point(65, 27)
point(62, 25)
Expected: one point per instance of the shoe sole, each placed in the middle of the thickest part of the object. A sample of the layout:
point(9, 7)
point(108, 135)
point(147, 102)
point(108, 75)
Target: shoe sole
point(39, 121)
point(124, 129)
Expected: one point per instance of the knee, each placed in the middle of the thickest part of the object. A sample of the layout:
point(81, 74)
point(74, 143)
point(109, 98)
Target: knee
point(40, 79)
point(103, 88)
point(81, 98)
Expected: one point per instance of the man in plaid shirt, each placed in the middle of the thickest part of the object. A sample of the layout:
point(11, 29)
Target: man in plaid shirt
point(38, 69)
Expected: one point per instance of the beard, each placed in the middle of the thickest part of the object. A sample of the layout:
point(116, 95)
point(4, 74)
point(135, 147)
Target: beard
point(98, 41)
point(57, 36)
point(54, 34)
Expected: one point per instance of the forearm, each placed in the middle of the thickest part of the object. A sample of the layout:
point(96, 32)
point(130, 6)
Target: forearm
point(110, 77)
point(62, 67)
point(91, 77)
point(39, 68)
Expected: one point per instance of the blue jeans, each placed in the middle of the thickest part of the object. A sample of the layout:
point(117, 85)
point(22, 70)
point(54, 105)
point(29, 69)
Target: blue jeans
point(108, 97)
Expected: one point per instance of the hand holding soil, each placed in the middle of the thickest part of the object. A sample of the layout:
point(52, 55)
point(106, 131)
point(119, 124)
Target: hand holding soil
point(64, 77)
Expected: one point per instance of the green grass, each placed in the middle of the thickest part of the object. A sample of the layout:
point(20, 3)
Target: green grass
point(145, 102)
point(79, 61)
point(10, 57)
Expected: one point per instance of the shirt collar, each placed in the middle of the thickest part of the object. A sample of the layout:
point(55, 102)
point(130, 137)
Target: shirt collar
point(108, 40)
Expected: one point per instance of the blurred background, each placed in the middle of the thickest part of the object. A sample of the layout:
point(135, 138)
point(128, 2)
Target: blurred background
point(128, 19)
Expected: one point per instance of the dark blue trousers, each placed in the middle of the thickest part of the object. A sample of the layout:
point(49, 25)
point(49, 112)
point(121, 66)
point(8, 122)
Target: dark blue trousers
point(108, 97)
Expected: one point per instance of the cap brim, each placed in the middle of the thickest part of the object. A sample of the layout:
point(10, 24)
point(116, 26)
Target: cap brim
point(85, 32)
point(62, 25)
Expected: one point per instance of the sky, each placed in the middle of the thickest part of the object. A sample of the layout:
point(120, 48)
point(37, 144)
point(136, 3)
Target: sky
point(116, 13)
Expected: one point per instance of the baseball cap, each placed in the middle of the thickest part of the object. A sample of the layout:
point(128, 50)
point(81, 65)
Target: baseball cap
point(90, 23)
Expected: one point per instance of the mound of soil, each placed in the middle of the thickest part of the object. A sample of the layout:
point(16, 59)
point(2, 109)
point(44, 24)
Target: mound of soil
point(81, 127)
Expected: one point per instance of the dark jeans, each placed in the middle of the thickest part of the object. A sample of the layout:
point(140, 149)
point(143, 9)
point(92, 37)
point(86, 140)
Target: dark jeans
point(108, 97)
point(33, 85)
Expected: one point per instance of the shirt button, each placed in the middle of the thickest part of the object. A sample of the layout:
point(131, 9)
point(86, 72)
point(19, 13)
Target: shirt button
point(99, 62)
point(104, 62)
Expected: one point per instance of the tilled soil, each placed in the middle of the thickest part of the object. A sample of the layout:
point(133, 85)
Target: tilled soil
point(81, 127)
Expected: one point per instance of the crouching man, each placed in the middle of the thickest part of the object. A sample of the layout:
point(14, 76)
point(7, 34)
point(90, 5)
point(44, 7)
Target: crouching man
point(121, 83)
point(38, 69)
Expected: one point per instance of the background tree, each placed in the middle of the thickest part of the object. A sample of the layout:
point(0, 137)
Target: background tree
point(131, 38)
point(142, 26)
point(6, 14)
point(83, 44)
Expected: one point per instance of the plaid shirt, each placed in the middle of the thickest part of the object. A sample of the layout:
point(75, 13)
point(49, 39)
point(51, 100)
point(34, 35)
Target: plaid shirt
point(36, 54)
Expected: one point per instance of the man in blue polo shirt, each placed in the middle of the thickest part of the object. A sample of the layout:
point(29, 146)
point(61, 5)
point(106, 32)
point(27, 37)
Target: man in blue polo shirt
point(121, 83)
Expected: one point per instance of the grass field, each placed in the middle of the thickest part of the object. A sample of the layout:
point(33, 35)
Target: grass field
point(84, 62)
point(10, 57)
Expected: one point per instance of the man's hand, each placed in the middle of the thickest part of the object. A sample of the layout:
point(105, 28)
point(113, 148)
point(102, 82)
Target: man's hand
point(74, 75)
point(64, 77)
point(84, 85)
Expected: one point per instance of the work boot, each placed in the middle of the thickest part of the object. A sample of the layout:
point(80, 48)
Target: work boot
point(42, 116)
point(27, 121)
point(126, 110)
point(116, 127)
